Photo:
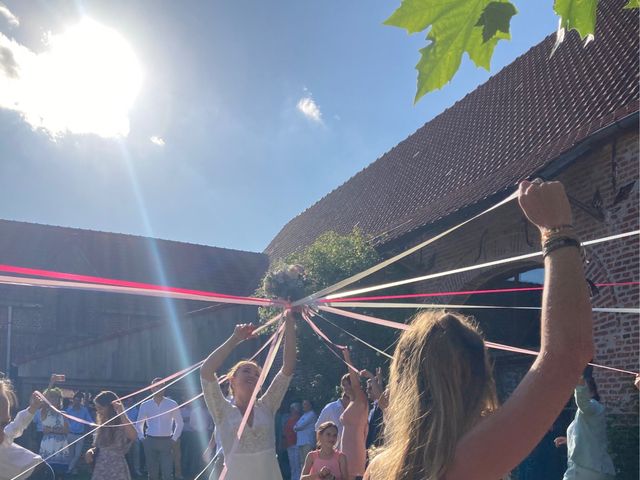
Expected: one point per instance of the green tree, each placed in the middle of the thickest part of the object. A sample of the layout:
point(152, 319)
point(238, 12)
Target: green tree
point(331, 258)
point(474, 27)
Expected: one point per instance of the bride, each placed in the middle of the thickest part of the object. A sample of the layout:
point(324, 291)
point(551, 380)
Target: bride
point(255, 454)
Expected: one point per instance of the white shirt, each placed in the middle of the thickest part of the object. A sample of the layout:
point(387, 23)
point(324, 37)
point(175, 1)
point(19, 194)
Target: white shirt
point(161, 426)
point(305, 429)
point(15, 459)
point(331, 413)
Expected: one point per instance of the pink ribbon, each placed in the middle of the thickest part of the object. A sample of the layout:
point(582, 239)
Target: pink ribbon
point(498, 346)
point(87, 280)
point(328, 342)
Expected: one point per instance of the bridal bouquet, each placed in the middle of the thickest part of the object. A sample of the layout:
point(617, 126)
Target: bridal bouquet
point(287, 283)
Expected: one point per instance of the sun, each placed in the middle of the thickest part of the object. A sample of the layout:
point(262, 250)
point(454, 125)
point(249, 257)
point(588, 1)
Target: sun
point(91, 79)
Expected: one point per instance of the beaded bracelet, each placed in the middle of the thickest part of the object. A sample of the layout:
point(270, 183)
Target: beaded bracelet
point(548, 234)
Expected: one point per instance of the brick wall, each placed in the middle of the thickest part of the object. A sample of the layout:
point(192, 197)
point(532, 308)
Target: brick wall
point(603, 185)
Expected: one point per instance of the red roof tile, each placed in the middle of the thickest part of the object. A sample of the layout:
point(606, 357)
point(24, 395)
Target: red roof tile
point(515, 124)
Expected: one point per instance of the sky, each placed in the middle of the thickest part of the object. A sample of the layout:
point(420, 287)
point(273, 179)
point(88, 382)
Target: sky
point(208, 122)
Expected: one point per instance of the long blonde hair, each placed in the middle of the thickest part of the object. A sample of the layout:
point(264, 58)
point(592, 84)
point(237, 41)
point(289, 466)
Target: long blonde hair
point(440, 385)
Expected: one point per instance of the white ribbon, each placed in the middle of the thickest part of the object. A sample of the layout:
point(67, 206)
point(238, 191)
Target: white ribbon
point(351, 293)
point(348, 281)
point(439, 306)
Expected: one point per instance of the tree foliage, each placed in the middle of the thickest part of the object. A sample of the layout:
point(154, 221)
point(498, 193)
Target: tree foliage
point(474, 27)
point(331, 258)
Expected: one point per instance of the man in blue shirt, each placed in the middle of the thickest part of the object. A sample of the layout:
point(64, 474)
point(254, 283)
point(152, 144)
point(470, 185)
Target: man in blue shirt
point(76, 430)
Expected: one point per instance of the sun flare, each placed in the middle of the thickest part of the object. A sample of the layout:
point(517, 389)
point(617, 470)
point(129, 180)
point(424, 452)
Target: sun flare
point(84, 82)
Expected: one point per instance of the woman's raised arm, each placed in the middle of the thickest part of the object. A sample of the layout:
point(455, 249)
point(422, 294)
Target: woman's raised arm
point(220, 354)
point(500, 441)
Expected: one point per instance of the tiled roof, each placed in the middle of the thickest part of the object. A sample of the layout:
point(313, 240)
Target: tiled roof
point(128, 257)
point(515, 124)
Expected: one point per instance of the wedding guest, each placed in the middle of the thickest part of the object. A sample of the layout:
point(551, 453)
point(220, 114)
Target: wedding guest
point(76, 430)
point(55, 429)
point(586, 440)
point(354, 420)
point(326, 463)
point(164, 427)
point(290, 440)
point(305, 430)
point(443, 418)
point(16, 461)
point(112, 441)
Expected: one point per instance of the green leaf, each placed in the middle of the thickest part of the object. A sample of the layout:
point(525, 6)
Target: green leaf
point(577, 15)
point(454, 28)
point(633, 4)
point(496, 17)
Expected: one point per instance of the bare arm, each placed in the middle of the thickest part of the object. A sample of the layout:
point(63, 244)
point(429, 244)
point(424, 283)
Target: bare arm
point(289, 362)
point(220, 354)
point(23, 418)
point(129, 430)
point(500, 441)
point(344, 468)
point(307, 468)
point(179, 425)
point(140, 421)
point(354, 378)
point(207, 455)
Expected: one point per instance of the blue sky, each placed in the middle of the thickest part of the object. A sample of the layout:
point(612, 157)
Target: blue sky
point(257, 109)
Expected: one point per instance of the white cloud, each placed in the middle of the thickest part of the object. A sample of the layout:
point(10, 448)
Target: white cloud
point(159, 141)
point(84, 82)
point(8, 16)
point(308, 107)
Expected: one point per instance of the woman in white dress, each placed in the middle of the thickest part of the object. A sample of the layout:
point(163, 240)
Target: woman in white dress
point(254, 456)
point(55, 428)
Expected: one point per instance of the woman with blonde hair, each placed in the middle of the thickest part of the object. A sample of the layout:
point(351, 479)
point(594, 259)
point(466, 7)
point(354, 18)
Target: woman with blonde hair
point(55, 427)
point(112, 442)
point(443, 421)
point(254, 455)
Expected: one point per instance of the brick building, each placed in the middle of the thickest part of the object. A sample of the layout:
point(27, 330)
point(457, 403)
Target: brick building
point(572, 117)
point(107, 340)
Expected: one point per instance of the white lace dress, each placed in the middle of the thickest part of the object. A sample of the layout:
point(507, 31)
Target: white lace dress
point(255, 455)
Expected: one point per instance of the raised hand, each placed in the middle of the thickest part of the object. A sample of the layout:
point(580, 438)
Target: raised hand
point(345, 352)
point(118, 406)
point(243, 332)
point(545, 204)
point(36, 401)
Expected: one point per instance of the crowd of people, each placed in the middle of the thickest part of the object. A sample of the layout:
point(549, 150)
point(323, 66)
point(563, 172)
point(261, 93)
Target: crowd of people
point(132, 444)
point(438, 417)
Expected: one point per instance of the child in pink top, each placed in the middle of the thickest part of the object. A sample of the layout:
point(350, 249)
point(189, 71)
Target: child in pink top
point(326, 463)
